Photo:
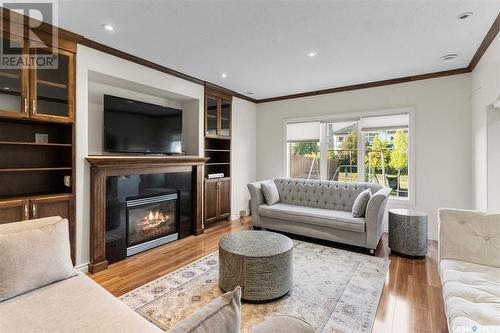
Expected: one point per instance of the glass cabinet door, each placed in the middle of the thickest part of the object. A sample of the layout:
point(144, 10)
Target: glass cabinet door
point(225, 118)
point(50, 96)
point(211, 115)
point(13, 79)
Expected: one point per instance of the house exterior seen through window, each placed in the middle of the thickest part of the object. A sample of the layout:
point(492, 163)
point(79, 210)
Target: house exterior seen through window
point(371, 149)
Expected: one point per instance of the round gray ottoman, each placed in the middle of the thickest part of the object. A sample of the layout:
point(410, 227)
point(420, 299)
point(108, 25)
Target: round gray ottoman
point(408, 232)
point(260, 262)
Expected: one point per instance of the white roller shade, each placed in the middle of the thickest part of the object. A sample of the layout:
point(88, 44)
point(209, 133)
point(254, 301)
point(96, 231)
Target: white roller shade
point(309, 131)
point(387, 122)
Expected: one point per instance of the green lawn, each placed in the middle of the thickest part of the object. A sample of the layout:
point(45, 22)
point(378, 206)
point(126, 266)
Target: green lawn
point(353, 177)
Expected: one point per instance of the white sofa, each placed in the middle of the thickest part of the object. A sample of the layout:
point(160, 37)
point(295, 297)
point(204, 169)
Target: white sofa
point(469, 268)
point(78, 304)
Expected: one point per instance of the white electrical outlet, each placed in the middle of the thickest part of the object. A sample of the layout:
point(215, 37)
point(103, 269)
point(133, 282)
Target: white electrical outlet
point(41, 138)
point(67, 181)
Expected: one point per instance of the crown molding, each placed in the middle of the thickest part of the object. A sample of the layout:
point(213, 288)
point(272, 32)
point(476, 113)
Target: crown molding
point(368, 85)
point(488, 39)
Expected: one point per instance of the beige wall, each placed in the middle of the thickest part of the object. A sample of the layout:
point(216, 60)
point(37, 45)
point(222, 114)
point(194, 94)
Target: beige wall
point(99, 73)
point(485, 137)
point(243, 153)
point(442, 138)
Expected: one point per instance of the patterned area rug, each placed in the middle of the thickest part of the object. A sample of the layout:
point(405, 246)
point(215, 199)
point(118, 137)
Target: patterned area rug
point(334, 290)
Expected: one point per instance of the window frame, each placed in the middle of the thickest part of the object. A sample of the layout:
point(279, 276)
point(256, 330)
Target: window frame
point(357, 116)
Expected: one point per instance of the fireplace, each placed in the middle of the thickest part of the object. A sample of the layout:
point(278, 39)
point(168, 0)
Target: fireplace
point(152, 220)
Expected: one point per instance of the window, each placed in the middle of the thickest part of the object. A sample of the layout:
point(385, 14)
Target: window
point(303, 150)
point(373, 149)
point(342, 162)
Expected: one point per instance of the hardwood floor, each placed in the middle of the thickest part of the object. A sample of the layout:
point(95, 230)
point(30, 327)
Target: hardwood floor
point(411, 300)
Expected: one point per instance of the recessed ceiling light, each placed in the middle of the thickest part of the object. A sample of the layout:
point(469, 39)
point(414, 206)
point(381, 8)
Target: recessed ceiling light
point(312, 54)
point(449, 57)
point(465, 15)
point(223, 75)
point(249, 93)
point(108, 27)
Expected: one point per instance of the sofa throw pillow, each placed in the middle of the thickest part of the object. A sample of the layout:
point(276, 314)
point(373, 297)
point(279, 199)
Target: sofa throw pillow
point(33, 255)
point(270, 192)
point(222, 315)
point(359, 206)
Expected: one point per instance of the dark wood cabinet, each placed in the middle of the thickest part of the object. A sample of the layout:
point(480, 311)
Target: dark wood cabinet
point(50, 95)
point(211, 200)
point(38, 93)
point(37, 130)
point(224, 196)
point(14, 210)
point(57, 205)
point(37, 207)
point(217, 199)
point(217, 115)
point(14, 83)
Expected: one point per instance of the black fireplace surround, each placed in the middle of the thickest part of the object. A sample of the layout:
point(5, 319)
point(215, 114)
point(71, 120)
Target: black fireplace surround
point(144, 211)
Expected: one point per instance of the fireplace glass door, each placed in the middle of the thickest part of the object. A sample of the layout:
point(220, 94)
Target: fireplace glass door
point(150, 218)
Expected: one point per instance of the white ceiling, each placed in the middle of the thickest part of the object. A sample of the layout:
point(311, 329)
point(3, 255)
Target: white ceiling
point(262, 45)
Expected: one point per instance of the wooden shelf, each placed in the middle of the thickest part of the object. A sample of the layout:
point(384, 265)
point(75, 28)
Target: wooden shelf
point(34, 169)
point(9, 75)
point(225, 163)
point(36, 144)
point(52, 84)
point(37, 196)
point(215, 117)
point(214, 179)
point(218, 150)
point(212, 136)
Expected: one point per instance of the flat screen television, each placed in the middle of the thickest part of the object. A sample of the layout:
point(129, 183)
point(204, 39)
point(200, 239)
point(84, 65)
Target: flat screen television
point(137, 127)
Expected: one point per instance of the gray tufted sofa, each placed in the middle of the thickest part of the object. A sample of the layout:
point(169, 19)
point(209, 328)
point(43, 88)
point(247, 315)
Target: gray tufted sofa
point(321, 209)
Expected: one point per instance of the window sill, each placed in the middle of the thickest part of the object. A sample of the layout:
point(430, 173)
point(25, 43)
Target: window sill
point(402, 201)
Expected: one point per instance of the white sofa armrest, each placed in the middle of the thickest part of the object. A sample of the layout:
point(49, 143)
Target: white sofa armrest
point(374, 217)
point(469, 236)
point(256, 199)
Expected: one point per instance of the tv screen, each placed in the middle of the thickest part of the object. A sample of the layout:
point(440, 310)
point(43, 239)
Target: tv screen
point(138, 127)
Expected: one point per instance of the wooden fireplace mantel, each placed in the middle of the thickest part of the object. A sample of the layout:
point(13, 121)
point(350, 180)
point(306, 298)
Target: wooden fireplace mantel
point(102, 166)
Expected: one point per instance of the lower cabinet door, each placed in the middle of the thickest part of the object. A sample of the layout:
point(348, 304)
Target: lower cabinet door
point(56, 205)
point(14, 211)
point(224, 197)
point(211, 200)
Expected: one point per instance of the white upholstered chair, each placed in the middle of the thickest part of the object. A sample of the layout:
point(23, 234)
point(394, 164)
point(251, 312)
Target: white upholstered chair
point(469, 268)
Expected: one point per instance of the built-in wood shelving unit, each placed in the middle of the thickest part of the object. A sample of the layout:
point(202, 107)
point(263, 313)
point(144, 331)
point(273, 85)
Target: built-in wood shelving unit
point(218, 150)
point(37, 132)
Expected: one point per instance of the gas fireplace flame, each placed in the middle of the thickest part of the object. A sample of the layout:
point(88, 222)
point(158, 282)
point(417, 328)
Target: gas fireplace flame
point(153, 220)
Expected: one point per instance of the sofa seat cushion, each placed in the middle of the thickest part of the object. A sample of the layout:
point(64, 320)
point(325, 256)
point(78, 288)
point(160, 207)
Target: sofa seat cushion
point(77, 304)
point(335, 219)
point(471, 293)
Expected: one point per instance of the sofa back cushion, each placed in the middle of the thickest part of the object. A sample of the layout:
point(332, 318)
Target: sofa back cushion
point(321, 193)
point(360, 203)
point(468, 235)
point(222, 315)
point(270, 192)
point(33, 254)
